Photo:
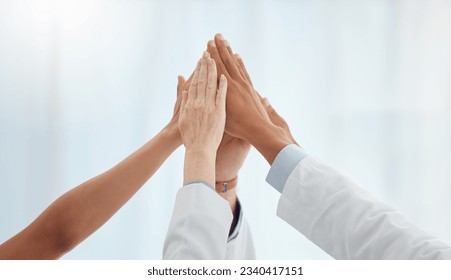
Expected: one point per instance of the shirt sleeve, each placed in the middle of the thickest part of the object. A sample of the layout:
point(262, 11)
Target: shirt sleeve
point(342, 218)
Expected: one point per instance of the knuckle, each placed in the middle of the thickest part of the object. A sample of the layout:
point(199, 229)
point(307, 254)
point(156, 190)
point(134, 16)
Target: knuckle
point(197, 106)
point(187, 107)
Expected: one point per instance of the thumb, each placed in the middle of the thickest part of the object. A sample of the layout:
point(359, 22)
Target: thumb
point(182, 104)
point(180, 82)
point(259, 96)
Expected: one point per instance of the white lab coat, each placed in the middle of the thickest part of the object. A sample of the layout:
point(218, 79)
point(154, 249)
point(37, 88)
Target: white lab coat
point(199, 228)
point(346, 221)
point(340, 217)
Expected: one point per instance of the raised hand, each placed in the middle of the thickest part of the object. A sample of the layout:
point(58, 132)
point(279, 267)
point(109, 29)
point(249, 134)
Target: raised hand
point(82, 210)
point(244, 108)
point(272, 113)
point(247, 118)
point(277, 119)
point(172, 127)
point(202, 120)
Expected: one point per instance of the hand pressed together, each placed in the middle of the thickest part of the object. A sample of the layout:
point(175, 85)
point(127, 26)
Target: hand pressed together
point(202, 116)
point(247, 118)
point(202, 119)
point(244, 109)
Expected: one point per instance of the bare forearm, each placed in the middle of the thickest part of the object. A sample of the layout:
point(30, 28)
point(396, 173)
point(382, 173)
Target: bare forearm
point(80, 212)
point(94, 202)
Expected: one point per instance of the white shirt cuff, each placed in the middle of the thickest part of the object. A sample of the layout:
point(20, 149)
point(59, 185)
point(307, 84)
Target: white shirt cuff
point(284, 163)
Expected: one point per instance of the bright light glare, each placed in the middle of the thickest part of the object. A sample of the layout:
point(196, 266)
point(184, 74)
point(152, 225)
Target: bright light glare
point(72, 14)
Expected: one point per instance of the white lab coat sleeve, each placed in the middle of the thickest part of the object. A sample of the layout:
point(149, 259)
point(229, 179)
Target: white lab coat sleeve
point(343, 219)
point(240, 245)
point(199, 226)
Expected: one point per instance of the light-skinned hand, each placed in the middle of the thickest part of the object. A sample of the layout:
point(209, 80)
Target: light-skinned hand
point(172, 127)
point(202, 120)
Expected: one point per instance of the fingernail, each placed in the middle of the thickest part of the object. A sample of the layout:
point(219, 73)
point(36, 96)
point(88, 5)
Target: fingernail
point(227, 43)
point(237, 56)
point(220, 36)
point(222, 77)
point(206, 55)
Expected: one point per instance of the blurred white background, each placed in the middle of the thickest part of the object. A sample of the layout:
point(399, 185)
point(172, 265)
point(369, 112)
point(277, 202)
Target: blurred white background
point(364, 85)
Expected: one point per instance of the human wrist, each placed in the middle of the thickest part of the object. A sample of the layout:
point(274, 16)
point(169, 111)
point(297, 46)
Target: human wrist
point(199, 166)
point(171, 134)
point(201, 151)
point(225, 175)
point(269, 140)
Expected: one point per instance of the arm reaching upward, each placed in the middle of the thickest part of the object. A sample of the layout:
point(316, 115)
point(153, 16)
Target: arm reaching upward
point(81, 211)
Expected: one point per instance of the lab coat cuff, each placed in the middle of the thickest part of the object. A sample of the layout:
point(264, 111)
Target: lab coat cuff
point(284, 163)
point(239, 211)
point(201, 182)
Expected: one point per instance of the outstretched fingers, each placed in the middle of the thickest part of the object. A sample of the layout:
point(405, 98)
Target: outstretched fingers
point(180, 84)
point(226, 57)
point(242, 68)
point(202, 80)
point(222, 93)
point(212, 81)
point(192, 91)
point(235, 60)
point(183, 103)
point(214, 54)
